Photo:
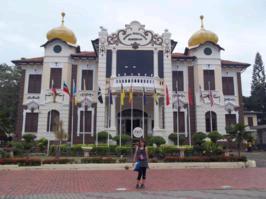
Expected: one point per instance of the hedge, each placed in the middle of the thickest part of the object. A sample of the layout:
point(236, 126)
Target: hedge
point(205, 159)
point(21, 161)
point(58, 161)
point(98, 160)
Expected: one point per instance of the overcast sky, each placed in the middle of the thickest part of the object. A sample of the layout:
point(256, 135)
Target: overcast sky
point(239, 24)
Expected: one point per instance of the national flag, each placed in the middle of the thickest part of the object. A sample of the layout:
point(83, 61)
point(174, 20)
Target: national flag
point(122, 96)
point(110, 96)
point(155, 96)
point(190, 97)
point(53, 89)
point(201, 95)
point(74, 89)
point(100, 97)
point(65, 88)
point(167, 95)
point(130, 98)
point(144, 96)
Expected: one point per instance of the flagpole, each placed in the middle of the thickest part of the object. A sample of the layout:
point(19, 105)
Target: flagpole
point(143, 113)
point(177, 118)
point(120, 125)
point(209, 84)
point(49, 133)
point(72, 120)
point(189, 126)
point(108, 115)
point(83, 138)
point(132, 110)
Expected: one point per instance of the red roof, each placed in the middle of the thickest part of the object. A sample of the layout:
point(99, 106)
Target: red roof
point(233, 63)
point(35, 60)
point(182, 56)
point(84, 54)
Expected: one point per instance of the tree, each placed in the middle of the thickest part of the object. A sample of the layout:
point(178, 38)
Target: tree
point(238, 134)
point(60, 135)
point(9, 89)
point(258, 77)
point(215, 136)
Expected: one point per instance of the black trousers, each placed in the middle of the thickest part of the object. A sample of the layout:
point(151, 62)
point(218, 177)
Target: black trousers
point(142, 173)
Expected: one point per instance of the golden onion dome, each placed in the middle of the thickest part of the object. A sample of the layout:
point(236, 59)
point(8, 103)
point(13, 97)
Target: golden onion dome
point(202, 36)
point(62, 32)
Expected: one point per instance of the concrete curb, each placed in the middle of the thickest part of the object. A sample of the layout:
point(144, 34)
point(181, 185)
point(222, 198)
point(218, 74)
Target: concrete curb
point(121, 166)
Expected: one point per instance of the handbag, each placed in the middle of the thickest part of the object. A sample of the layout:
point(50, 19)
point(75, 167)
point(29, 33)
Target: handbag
point(137, 166)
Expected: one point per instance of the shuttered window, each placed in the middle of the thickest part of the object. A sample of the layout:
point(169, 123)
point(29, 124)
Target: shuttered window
point(230, 119)
point(178, 80)
point(181, 123)
point(31, 122)
point(35, 82)
point(228, 86)
point(209, 78)
point(208, 118)
point(87, 78)
point(250, 121)
point(56, 76)
point(88, 117)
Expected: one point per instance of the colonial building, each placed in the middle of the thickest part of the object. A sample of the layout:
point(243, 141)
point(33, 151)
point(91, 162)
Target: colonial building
point(196, 87)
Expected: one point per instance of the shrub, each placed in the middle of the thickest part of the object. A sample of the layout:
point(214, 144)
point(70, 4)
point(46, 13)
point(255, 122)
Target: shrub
point(100, 150)
point(103, 137)
point(18, 148)
point(21, 161)
point(173, 138)
point(123, 150)
point(58, 161)
point(42, 144)
point(3, 154)
point(205, 159)
point(153, 151)
point(168, 150)
point(158, 140)
point(198, 138)
point(76, 150)
point(125, 139)
point(210, 148)
point(215, 136)
point(98, 160)
point(29, 137)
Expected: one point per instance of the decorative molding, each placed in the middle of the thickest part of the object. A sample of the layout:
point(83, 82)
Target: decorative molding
point(134, 35)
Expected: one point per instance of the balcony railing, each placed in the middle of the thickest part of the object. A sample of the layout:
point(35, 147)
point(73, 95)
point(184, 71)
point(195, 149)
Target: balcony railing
point(137, 83)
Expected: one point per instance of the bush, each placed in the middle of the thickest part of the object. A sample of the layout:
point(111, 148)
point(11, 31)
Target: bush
point(18, 148)
point(205, 159)
point(76, 150)
point(123, 150)
point(168, 150)
point(198, 138)
point(100, 150)
point(3, 154)
point(210, 148)
point(215, 136)
point(153, 152)
point(125, 139)
point(189, 152)
point(158, 140)
point(98, 160)
point(173, 138)
point(42, 144)
point(21, 161)
point(58, 161)
point(103, 137)
point(29, 137)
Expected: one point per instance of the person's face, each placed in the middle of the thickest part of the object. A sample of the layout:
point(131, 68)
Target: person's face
point(141, 143)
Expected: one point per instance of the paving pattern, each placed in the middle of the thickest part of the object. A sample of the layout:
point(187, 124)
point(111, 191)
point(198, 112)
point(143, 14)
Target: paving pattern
point(88, 184)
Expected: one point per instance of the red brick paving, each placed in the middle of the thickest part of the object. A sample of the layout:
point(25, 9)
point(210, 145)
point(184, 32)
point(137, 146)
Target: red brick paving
point(44, 182)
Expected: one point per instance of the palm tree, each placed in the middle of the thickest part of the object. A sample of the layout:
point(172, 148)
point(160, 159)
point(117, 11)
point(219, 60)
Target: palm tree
point(60, 135)
point(238, 133)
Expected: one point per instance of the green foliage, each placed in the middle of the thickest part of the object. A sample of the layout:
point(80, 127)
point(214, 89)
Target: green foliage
point(9, 89)
point(215, 136)
point(198, 138)
point(103, 137)
point(168, 150)
point(173, 138)
point(125, 139)
point(238, 134)
point(123, 150)
point(42, 144)
point(76, 150)
point(158, 140)
point(98, 160)
point(210, 148)
point(205, 159)
point(29, 138)
point(154, 151)
point(100, 150)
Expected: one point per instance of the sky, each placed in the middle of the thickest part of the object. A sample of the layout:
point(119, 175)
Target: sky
point(239, 24)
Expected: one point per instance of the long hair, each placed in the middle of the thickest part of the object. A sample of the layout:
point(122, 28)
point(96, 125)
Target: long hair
point(141, 140)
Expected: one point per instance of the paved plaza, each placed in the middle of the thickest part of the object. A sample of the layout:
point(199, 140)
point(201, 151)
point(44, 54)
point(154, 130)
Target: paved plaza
point(181, 183)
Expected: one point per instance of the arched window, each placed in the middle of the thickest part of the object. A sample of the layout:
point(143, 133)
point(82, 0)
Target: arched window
point(210, 121)
point(52, 125)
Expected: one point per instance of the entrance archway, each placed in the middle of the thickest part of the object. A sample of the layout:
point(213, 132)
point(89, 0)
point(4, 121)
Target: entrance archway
point(137, 121)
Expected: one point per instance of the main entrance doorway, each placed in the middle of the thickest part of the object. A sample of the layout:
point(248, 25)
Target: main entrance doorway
point(137, 121)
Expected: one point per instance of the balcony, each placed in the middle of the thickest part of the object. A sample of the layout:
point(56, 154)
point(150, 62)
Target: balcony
point(137, 83)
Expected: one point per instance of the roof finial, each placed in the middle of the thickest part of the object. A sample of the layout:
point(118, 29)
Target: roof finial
point(201, 18)
point(63, 16)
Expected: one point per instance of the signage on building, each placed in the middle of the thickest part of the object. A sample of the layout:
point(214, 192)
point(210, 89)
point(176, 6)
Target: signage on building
point(138, 132)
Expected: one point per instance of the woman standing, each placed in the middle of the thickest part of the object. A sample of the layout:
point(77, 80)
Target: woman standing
point(141, 154)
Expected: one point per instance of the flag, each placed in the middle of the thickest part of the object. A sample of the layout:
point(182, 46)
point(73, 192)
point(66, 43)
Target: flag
point(190, 97)
point(167, 95)
point(130, 98)
point(74, 92)
point(110, 96)
point(100, 97)
point(155, 96)
point(144, 96)
point(201, 95)
point(65, 88)
point(53, 89)
point(122, 96)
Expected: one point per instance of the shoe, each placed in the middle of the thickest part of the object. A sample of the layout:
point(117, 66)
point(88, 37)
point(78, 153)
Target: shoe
point(142, 186)
point(137, 186)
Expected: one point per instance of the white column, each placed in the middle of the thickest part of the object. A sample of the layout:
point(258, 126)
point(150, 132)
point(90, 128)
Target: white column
point(113, 114)
point(114, 62)
point(156, 116)
point(155, 62)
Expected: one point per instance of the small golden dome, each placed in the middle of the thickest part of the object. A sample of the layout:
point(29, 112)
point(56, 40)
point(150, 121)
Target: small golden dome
point(62, 32)
point(202, 36)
